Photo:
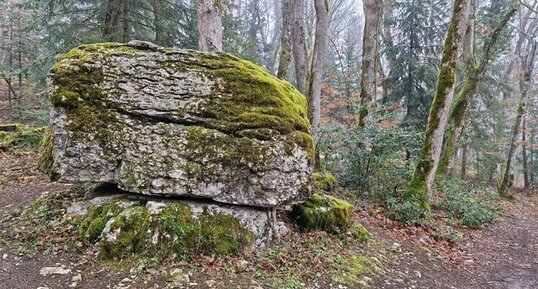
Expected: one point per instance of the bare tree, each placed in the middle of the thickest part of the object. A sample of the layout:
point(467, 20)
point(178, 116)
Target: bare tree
point(506, 181)
point(209, 25)
point(316, 67)
point(298, 36)
point(370, 56)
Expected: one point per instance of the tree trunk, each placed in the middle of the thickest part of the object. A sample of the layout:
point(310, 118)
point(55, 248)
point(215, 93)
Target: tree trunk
point(463, 163)
point(157, 23)
point(316, 69)
point(461, 102)
point(388, 14)
point(284, 59)
point(506, 181)
point(424, 176)
point(209, 25)
point(112, 26)
point(524, 153)
point(298, 34)
point(370, 54)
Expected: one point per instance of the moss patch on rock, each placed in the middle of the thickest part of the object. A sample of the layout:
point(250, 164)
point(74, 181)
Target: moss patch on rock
point(171, 232)
point(323, 212)
point(324, 181)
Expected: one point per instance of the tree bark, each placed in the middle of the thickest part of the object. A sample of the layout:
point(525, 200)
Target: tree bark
point(424, 176)
point(506, 183)
point(209, 18)
point(298, 33)
point(461, 102)
point(463, 163)
point(370, 54)
point(115, 20)
point(524, 153)
point(284, 59)
point(316, 69)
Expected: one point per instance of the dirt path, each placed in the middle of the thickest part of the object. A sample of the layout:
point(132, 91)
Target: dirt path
point(505, 255)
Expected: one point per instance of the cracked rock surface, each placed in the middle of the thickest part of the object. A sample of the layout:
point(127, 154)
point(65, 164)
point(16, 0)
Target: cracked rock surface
point(168, 122)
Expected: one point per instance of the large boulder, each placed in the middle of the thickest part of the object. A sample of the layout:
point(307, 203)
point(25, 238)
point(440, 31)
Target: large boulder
point(170, 122)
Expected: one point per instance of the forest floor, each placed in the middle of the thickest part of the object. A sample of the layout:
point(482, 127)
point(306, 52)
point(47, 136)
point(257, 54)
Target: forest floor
point(504, 255)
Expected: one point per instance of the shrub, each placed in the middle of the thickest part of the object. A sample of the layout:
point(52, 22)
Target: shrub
point(472, 205)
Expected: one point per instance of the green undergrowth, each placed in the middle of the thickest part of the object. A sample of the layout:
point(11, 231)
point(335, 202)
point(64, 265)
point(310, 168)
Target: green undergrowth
point(43, 225)
point(318, 257)
point(472, 205)
point(23, 137)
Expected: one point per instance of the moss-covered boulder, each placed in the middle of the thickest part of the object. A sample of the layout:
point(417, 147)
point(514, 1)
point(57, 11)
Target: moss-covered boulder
point(160, 121)
point(124, 225)
point(324, 181)
point(323, 212)
point(17, 136)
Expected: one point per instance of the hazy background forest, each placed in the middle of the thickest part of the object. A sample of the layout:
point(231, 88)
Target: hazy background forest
point(411, 37)
point(423, 113)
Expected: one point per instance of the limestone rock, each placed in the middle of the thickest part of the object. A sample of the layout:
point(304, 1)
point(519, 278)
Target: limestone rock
point(169, 122)
point(124, 224)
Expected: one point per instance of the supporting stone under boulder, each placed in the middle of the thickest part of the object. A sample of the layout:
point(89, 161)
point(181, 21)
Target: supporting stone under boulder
point(125, 224)
point(170, 122)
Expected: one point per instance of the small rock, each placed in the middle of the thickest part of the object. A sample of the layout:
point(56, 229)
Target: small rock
point(77, 278)
point(419, 275)
point(468, 262)
point(4, 256)
point(45, 271)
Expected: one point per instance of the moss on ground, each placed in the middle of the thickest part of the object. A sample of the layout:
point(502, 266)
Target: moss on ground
point(323, 212)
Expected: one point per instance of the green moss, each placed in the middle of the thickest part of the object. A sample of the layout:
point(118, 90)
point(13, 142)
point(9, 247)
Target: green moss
point(46, 162)
point(359, 232)
point(20, 137)
point(323, 212)
point(173, 233)
point(324, 181)
point(222, 234)
point(130, 234)
point(93, 222)
point(351, 268)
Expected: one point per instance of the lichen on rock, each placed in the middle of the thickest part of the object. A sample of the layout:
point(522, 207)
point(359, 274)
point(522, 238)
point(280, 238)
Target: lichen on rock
point(323, 212)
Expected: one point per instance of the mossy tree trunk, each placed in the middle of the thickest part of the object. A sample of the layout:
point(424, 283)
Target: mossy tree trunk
point(209, 20)
point(506, 181)
point(284, 59)
point(298, 36)
point(316, 69)
point(461, 102)
point(370, 54)
point(424, 175)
